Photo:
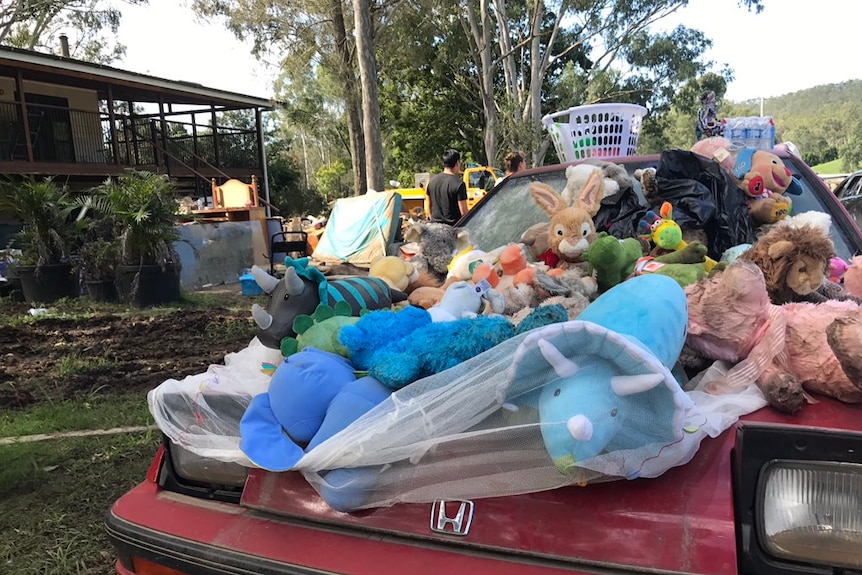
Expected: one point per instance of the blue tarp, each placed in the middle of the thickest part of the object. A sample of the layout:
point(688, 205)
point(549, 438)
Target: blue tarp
point(359, 229)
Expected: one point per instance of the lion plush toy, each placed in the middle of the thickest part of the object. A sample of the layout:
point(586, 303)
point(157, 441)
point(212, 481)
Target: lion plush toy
point(793, 259)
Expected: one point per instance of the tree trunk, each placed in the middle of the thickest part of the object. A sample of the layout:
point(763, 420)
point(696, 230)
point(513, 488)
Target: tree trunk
point(480, 32)
point(370, 101)
point(351, 100)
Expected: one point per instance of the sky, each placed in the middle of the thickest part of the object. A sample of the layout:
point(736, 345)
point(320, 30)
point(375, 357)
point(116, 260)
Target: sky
point(792, 45)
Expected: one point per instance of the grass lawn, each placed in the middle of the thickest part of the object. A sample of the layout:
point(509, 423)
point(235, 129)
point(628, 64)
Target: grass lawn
point(54, 498)
point(833, 167)
point(87, 366)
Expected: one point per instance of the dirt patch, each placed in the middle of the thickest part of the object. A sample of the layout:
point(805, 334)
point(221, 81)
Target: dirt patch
point(55, 358)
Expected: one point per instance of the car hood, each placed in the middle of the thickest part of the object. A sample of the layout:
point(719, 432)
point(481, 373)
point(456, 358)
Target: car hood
point(680, 521)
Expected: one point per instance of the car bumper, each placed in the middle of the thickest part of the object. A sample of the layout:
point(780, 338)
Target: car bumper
point(198, 537)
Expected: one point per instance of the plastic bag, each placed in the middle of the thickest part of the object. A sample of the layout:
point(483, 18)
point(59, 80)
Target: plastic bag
point(566, 404)
point(704, 197)
point(620, 213)
point(202, 412)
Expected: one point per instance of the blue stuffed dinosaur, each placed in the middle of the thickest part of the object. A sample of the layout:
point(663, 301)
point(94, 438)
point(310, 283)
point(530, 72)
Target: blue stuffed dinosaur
point(602, 383)
point(398, 348)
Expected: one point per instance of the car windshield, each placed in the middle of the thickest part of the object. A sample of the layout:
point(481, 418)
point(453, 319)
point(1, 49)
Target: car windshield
point(810, 200)
point(853, 205)
point(509, 210)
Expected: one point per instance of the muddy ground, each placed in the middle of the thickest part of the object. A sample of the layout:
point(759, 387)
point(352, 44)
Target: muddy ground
point(53, 358)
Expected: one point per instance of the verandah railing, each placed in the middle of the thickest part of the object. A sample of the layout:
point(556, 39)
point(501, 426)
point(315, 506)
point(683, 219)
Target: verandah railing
point(66, 135)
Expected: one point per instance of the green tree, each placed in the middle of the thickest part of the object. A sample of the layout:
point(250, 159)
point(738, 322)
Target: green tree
point(93, 26)
point(332, 180)
point(287, 190)
point(311, 37)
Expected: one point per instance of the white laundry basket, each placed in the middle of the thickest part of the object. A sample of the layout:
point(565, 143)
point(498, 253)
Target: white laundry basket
point(595, 131)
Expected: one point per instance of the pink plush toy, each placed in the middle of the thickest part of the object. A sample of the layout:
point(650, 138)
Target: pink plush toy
point(853, 277)
point(786, 350)
point(716, 148)
point(837, 267)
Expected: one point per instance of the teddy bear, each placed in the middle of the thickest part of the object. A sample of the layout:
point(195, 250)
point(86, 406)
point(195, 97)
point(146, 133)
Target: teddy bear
point(717, 148)
point(614, 260)
point(425, 297)
point(665, 234)
point(571, 228)
point(794, 260)
point(395, 271)
point(431, 247)
point(786, 350)
point(463, 263)
point(577, 177)
point(462, 299)
point(853, 277)
point(400, 347)
point(312, 395)
point(760, 174)
point(535, 239)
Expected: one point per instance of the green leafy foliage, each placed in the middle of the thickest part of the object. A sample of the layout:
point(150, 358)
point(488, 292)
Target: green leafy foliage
point(91, 26)
point(144, 210)
point(47, 211)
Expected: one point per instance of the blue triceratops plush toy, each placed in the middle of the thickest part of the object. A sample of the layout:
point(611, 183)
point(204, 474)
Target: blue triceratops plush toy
point(604, 382)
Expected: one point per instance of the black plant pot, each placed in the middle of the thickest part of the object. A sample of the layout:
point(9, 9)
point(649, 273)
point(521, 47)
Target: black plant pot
point(102, 290)
point(149, 285)
point(47, 283)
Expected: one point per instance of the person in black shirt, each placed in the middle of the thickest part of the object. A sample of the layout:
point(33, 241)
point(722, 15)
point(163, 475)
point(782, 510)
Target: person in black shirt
point(446, 194)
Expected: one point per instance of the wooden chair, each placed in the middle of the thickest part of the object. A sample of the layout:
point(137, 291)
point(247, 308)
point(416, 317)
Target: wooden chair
point(235, 194)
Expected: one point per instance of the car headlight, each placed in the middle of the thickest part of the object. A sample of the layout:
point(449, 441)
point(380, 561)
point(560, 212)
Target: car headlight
point(193, 467)
point(797, 494)
point(186, 472)
point(812, 512)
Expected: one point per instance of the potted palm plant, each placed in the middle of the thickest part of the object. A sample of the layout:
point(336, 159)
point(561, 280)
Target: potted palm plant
point(97, 262)
point(50, 232)
point(99, 254)
point(144, 211)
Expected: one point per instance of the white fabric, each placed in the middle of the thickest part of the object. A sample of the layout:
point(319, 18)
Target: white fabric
point(445, 436)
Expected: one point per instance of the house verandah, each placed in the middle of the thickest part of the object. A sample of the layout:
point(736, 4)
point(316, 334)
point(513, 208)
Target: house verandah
point(81, 122)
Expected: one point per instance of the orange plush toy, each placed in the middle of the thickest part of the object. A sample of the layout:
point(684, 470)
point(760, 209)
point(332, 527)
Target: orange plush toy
point(765, 179)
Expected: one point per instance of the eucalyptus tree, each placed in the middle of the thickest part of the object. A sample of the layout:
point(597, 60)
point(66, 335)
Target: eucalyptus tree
point(525, 41)
point(93, 26)
point(308, 36)
point(370, 102)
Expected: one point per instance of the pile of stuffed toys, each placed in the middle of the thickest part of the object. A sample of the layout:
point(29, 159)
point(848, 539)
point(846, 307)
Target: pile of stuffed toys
point(762, 285)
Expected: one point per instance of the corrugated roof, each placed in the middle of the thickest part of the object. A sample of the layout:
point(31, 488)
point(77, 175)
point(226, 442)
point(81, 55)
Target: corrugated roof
point(125, 85)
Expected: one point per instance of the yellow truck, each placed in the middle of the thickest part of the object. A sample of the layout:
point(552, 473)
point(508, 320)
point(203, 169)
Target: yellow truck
point(479, 179)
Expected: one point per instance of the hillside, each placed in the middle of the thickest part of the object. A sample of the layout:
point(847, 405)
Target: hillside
point(812, 100)
point(825, 122)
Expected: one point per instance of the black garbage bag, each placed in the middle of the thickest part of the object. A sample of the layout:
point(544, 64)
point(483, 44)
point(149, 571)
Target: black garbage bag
point(620, 213)
point(704, 197)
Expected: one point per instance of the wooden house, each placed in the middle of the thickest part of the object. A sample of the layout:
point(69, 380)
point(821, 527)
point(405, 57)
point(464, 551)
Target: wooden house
point(82, 122)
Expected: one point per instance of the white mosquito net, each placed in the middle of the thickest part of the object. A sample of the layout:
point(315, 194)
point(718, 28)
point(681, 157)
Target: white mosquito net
point(570, 403)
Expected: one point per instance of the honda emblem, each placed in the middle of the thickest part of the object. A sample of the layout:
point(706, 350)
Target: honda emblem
point(452, 517)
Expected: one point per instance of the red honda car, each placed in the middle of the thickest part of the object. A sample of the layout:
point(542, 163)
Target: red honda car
point(196, 516)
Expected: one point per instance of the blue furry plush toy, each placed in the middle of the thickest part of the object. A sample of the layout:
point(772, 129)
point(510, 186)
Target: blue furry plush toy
point(397, 348)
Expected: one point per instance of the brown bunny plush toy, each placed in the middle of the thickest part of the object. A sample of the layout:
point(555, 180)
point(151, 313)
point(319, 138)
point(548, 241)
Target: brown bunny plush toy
point(571, 230)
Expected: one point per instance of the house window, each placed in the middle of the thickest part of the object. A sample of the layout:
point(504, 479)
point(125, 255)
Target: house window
point(50, 128)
